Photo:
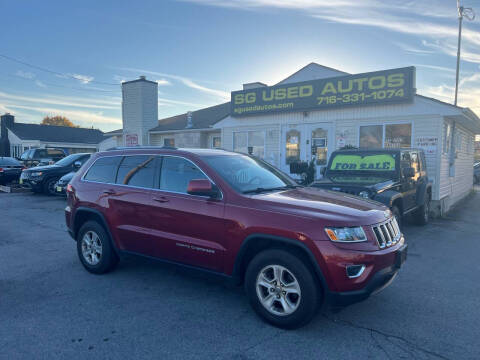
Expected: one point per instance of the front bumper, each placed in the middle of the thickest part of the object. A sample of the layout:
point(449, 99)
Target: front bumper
point(377, 281)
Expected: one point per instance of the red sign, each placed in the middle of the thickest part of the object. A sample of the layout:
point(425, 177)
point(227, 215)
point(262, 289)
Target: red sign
point(131, 140)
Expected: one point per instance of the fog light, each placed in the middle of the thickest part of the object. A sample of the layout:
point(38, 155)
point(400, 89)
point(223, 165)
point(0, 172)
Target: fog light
point(354, 271)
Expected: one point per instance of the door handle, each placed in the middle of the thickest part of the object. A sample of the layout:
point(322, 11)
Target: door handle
point(161, 199)
point(109, 192)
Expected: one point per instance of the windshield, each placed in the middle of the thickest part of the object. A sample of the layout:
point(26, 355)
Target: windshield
point(366, 166)
point(68, 160)
point(247, 174)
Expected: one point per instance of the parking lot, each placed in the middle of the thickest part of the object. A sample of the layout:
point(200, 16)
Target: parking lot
point(50, 307)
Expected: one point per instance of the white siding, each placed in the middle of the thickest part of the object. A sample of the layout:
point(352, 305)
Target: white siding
point(454, 188)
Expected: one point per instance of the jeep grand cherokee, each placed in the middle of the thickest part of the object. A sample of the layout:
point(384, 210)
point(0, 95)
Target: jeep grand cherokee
point(294, 248)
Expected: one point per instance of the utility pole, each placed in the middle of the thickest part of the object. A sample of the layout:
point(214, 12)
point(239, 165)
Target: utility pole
point(470, 15)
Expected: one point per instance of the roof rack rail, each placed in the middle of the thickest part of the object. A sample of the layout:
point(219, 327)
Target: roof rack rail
point(141, 147)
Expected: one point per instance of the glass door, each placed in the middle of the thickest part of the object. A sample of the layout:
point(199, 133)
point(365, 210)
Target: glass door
point(320, 138)
point(293, 147)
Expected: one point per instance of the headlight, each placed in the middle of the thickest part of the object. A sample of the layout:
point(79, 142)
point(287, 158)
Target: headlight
point(346, 234)
point(364, 194)
point(36, 173)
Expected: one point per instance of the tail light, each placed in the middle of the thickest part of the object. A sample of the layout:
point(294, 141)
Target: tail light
point(69, 188)
point(1, 169)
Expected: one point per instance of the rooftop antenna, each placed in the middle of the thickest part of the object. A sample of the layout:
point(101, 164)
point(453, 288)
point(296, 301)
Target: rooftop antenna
point(469, 14)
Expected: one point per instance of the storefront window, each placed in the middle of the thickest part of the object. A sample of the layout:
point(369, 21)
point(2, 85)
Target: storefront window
point(292, 153)
point(216, 142)
point(319, 146)
point(256, 141)
point(249, 142)
point(398, 136)
point(240, 142)
point(170, 142)
point(371, 136)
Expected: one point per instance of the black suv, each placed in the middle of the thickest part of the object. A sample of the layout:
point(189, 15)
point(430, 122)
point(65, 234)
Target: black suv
point(44, 178)
point(395, 177)
point(36, 157)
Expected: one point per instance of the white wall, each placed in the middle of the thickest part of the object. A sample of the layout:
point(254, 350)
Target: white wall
point(139, 108)
point(454, 188)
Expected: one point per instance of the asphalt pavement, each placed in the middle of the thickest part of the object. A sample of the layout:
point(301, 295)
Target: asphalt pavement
point(51, 308)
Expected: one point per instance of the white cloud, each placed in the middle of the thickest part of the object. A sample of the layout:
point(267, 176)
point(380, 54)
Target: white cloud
point(163, 82)
point(25, 75)
point(59, 101)
point(224, 95)
point(40, 84)
point(84, 79)
point(85, 118)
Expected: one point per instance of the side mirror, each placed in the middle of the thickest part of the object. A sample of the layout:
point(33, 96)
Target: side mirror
point(408, 172)
point(77, 165)
point(202, 187)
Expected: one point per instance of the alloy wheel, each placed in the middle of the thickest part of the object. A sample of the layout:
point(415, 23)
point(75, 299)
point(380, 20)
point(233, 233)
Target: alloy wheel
point(278, 290)
point(91, 248)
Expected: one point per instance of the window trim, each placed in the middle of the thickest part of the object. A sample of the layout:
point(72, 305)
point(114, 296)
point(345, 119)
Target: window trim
point(159, 163)
point(384, 124)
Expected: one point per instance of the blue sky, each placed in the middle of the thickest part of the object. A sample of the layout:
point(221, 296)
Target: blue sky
point(200, 50)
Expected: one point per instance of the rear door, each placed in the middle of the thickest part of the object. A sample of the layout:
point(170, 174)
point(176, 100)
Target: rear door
point(189, 229)
point(131, 205)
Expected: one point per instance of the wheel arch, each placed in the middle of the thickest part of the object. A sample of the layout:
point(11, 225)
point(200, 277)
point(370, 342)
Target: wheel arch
point(83, 214)
point(258, 242)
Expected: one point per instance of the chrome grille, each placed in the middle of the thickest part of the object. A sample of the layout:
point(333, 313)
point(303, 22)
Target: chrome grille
point(387, 233)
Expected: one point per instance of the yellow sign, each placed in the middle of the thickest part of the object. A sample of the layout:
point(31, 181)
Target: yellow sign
point(377, 162)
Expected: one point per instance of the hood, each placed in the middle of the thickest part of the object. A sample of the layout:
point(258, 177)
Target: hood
point(333, 207)
point(339, 185)
point(68, 177)
point(42, 168)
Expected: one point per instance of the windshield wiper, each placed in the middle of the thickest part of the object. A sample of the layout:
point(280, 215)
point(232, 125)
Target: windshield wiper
point(261, 189)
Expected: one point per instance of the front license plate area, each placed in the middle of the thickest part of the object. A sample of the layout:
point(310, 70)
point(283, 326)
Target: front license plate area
point(401, 256)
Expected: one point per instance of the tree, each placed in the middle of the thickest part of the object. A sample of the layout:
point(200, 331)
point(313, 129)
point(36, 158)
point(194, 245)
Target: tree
point(57, 120)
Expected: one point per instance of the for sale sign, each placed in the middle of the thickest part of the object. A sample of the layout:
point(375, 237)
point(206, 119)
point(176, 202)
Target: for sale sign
point(131, 140)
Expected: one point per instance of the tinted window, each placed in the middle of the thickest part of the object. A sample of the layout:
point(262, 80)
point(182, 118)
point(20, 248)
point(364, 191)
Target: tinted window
point(104, 170)
point(40, 154)
point(137, 171)
point(30, 155)
point(25, 155)
point(55, 152)
point(70, 159)
point(176, 174)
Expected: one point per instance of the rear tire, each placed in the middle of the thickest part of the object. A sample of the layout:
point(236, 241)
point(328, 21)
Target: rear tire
point(282, 289)
point(95, 249)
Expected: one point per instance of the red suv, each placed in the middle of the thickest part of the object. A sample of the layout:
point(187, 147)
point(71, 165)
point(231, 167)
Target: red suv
point(294, 248)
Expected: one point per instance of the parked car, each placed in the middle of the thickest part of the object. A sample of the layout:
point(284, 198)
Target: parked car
point(395, 177)
point(39, 157)
point(44, 178)
point(62, 183)
point(294, 248)
point(10, 170)
point(476, 173)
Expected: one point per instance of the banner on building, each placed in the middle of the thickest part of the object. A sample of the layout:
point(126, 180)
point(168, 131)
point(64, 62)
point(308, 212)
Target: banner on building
point(373, 88)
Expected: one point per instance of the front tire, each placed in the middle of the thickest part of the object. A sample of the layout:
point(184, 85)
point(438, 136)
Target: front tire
point(49, 187)
point(282, 289)
point(95, 249)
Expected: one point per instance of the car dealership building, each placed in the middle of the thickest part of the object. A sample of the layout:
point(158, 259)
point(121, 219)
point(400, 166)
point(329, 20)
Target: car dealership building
point(310, 114)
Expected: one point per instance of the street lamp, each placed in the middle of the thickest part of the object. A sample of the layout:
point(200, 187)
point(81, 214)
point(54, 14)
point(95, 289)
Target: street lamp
point(469, 14)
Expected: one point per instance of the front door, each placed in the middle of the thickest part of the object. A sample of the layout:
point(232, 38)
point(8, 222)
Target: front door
point(305, 142)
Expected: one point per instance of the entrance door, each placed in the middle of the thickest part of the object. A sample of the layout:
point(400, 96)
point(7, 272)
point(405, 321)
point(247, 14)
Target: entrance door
point(304, 142)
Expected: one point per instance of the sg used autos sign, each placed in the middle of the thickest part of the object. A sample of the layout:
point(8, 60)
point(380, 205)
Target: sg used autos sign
point(387, 86)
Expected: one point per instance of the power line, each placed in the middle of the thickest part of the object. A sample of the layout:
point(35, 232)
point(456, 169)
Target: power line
point(51, 71)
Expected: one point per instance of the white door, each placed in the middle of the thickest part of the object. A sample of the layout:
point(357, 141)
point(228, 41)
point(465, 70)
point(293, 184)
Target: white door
point(304, 142)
